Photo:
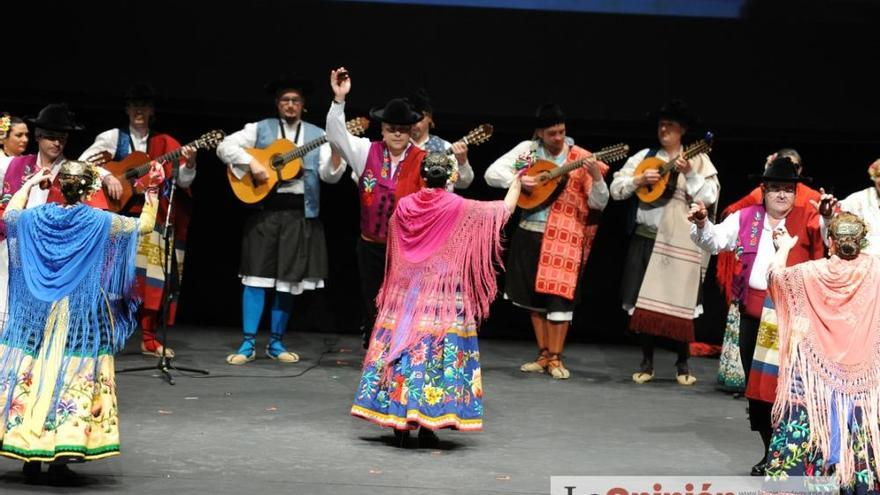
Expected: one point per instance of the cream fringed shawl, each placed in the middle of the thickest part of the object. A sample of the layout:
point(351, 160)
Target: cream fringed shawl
point(440, 267)
point(829, 347)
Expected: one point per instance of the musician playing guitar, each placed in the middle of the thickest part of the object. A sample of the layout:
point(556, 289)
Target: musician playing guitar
point(661, 281)
point(283, 247)
point(137, 136)
point(551, 244)
point(424, 139)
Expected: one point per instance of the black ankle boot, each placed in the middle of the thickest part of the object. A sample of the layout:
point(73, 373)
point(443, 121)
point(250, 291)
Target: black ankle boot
point(760, 469)
point(32, 471)
point(401, 438)
point(61, 475)
point(428, 439)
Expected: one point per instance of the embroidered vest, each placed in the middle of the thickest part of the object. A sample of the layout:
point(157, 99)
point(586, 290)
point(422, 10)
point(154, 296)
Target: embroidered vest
point(379, 188)
point(435, 144)
point(751, 227)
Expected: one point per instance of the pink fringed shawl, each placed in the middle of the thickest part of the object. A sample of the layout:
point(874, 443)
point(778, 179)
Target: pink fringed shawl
point(829, 348)
point(442, 251)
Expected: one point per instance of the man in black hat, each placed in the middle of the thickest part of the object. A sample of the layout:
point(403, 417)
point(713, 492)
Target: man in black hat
point(384, 170)
point(661, 292)
point(283, 248)
point(140, 107)
point(422, 137)
point(751, 232)
point(52, 126)
point(551, 244)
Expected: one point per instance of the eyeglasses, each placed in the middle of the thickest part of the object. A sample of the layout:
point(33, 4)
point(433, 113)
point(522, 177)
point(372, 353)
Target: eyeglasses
point(402, 129)
point(295, 100)
point(785, 188)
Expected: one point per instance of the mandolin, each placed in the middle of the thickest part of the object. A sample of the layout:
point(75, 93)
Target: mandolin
point(652, 192)
point(552, 178)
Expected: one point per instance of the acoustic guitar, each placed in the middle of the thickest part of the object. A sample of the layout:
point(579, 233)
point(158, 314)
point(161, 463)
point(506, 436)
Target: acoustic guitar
point(652, 192)
point(137, 164)
point(285, 158)
point(552, 178)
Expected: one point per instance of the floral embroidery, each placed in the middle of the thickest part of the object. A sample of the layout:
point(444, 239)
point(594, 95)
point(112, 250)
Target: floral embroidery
point(432, 381)
point(369, 182)
point(791, 454)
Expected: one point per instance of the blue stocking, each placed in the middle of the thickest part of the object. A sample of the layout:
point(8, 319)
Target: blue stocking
point(281, 306)
point(252, 301)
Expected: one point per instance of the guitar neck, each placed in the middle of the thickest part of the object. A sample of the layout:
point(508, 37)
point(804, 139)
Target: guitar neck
point(599, 156)
point(304, 149)
point(692, 151)
point(462, 140)
point(568, 167)
point(142, 170)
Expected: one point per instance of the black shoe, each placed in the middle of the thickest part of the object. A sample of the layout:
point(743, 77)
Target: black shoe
point(32, 471)
point(365, 337)
point(428, 439)
point(61, 475)
point(759, 469)
point(401, 438)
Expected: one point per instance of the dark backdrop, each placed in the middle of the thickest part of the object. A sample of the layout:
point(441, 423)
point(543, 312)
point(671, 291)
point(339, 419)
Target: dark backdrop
point(799, 74)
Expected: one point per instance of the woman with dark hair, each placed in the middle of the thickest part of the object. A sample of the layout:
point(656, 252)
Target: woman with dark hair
point(72, 307)
point(827, 409)
point(422, 368)
point(13, 141)
point(14, 138)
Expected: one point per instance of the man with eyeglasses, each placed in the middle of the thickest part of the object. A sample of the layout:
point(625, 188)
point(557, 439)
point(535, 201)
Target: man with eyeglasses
point(750, 234)
point(385, 171)
point(140, 107)
point(283, 246)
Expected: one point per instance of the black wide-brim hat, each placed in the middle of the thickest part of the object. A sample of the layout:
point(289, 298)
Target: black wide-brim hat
point(782, 169)
point(55, 117)
point(397, 111)
point(548, 115)
point(675, 110)
point(141, 92)
point(299, 84)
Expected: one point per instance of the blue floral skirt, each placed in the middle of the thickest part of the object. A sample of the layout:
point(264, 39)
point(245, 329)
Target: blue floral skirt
point(435, 386)
point(791, 454)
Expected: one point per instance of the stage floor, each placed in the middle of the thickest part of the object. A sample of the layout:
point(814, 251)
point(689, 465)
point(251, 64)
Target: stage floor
point(261, 428)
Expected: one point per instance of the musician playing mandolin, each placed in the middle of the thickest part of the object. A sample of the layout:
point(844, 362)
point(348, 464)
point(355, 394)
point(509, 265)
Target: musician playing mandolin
point(283, 247)
point(661, 282)
point(550, 246)
point(118, 143)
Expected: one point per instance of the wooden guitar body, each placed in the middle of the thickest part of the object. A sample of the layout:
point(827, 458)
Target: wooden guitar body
point(246, 190)
point(546, 190)
point(119, 169)
point(652, 192)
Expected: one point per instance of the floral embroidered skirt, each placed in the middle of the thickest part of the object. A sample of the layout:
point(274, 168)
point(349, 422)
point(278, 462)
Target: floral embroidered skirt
point(790, 454)
point(730, 370)
point(81, 421)
point(436, 386)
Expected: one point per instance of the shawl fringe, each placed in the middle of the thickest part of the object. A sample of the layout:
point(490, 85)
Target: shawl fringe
point(840, 400)
point(456, 282)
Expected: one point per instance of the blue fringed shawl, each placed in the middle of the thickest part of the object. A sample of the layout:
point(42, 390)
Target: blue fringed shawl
point(75, 252)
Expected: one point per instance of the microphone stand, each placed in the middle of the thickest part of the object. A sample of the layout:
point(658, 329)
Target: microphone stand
point(164, 363)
